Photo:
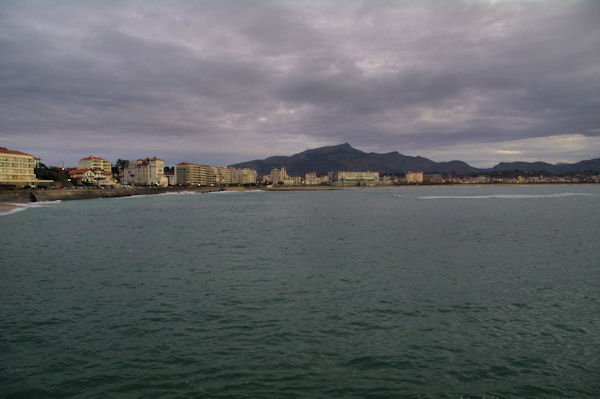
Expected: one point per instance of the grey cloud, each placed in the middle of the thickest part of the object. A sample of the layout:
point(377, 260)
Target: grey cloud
point(250, 79)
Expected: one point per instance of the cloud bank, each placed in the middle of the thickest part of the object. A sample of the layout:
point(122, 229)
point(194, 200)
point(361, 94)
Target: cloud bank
point(229, 81)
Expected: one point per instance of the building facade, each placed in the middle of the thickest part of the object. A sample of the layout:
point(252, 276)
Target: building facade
point(191, 174)
point(96, 177)
point(94, 163)
point(17, 168)
point(145, 172)
point(414, 177)
point(278, 175)
point(355, 178)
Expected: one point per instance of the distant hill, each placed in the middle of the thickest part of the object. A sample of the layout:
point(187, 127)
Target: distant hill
point(345, 157)
point(559, 168)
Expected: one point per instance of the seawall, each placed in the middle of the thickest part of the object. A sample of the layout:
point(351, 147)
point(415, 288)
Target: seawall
point(67, 194)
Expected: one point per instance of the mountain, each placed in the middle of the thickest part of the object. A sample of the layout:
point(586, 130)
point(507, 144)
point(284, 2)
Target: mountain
point(559, 168)
point(345, 157)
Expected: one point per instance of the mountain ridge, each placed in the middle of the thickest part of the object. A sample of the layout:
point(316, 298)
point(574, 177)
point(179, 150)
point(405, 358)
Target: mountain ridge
point(345, 157)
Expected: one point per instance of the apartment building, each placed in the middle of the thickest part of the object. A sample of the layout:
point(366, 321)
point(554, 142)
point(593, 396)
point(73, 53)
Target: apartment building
point(344, 178)
point(187, 173)
point(145, 172)
point(94, 163)
point(414, 177)
point(278, 175)
point(17, 168)
point(247, 176)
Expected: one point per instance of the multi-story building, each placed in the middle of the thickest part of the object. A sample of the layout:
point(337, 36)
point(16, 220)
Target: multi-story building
point(187, 173)
point(355, 178)
point(191, 174)
point(414, 177)
point(17, 168)
point(311, 178)
point(435, 178)
point(97, 177)
point(207, 175)
point(94, 163)
point(278, 175)
point(247, 176)
point(145, 172)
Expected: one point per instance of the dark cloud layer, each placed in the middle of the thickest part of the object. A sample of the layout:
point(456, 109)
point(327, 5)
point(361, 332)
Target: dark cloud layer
point(230, 81)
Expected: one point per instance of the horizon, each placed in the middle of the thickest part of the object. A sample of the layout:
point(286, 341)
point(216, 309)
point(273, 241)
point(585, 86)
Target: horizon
point(229, 82)
point(168, 164)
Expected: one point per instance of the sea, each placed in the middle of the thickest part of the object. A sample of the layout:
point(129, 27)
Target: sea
point(410, 292)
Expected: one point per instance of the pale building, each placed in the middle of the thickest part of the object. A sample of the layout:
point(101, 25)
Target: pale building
point(355, 178)
point(247, 176)
point(207, 175)
point(278, 175)
point(17, 168)
point(414, 177)
point(97, 177)
point(145, 172)
point(187, 173)
point(94, 163)
point(311, 178)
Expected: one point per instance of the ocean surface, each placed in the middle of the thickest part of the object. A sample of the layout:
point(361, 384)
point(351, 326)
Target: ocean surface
point(416, 292)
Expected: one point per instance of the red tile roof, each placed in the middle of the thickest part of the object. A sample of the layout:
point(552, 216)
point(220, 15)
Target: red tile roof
point(7, 151)
point(77, 171)
point(91, 157)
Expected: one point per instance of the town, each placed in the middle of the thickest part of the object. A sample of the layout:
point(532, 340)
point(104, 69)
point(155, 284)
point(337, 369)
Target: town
point(22, 170)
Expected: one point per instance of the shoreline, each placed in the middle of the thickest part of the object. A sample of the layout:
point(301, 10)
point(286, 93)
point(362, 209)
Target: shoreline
point(10, 200)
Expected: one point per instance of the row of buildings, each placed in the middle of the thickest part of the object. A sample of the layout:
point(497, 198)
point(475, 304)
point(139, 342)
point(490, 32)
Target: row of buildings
point(18, 169)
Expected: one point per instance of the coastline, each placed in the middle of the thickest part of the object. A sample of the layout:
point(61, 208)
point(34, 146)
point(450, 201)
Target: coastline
point(10, 200)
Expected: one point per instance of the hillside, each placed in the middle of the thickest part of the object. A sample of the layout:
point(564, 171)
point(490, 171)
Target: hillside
point(345, 157)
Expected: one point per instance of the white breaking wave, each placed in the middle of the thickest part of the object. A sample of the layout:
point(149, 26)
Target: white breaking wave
point(505, 196)
point(234, 191)
point(179, 193)
point(21, 206)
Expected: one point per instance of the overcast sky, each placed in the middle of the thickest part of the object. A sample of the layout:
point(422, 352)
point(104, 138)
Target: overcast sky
point(229, 81)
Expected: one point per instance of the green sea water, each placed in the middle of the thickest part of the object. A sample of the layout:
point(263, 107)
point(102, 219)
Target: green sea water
point(420, 292)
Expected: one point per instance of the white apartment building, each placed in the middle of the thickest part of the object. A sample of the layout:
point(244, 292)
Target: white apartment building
point(145, 172)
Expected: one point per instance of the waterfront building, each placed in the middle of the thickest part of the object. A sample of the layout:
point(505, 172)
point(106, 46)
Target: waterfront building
point(17, 168)
point(145, 172)
point(96, 177)
point(247, 176)
point(414, 177)
point(278, 175)
point(187, 173)
point(311, 178)
point(433, 179)
point(345, 178)
point(94, 163)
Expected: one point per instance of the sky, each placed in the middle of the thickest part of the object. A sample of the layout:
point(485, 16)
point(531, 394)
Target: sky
point(222, 82)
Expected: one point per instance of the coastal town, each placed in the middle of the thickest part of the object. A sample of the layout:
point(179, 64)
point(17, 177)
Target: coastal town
point(21, 170)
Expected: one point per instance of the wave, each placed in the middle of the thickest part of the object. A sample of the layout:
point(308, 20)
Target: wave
point(505, 196)
point(236, 191)
point(21, 206)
